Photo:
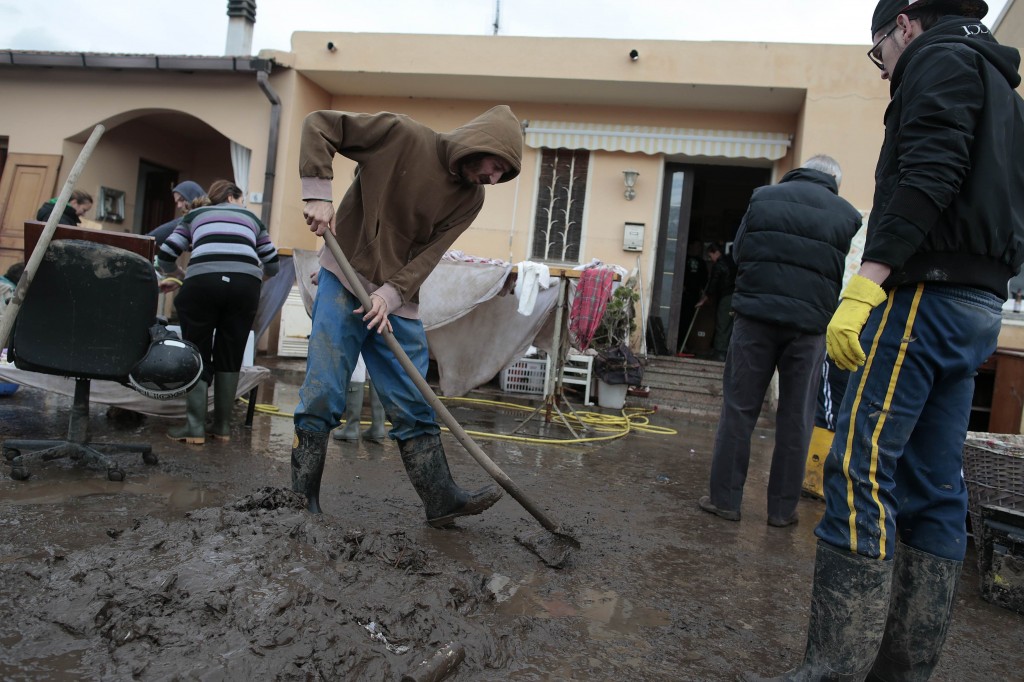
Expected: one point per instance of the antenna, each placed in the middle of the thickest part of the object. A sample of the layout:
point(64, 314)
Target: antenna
point(497, 16)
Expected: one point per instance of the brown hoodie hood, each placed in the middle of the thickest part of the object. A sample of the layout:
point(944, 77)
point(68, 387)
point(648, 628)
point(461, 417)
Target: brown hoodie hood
point(408, 203)
point(496, 131)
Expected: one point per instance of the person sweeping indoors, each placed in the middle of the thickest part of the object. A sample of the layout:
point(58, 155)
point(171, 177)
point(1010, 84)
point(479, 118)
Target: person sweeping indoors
point(414, 193)
point(220, 293)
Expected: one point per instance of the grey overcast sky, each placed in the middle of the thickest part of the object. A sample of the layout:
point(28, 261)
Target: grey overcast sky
point(199, 27)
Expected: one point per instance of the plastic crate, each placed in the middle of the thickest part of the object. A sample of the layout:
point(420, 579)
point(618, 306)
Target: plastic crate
point(1002, 557)
point(525, 375)
point(994, 472)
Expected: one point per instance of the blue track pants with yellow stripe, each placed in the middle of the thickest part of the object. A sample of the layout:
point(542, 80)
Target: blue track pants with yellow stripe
point(896, 461)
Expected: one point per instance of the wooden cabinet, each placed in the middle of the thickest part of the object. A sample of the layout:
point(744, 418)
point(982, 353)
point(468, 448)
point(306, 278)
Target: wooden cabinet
point(999, 393)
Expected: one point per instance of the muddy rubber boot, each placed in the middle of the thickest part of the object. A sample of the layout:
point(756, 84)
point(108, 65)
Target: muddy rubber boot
point(443, 500)
point(849, 603)
point(225, 384)
point(309, 450)
point(349, 429)
point(193, 431)
point(376, 433)
point(923, 590)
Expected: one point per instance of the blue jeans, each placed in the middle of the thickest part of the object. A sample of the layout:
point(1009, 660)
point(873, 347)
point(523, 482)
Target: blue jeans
point(337, 339)
point(896, 461)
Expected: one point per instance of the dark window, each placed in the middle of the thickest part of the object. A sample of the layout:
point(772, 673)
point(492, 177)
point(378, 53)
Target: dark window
point(558, 221)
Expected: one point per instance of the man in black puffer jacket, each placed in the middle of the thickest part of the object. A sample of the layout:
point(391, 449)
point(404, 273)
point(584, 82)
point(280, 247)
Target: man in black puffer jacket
point(946, 233)
point(790, 252)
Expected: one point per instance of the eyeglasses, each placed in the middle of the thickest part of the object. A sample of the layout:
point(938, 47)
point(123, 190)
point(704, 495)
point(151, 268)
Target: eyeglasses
point(875, 53)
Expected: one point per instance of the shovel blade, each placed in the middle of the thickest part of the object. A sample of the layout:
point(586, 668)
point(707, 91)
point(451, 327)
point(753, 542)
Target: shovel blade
point(553, 547)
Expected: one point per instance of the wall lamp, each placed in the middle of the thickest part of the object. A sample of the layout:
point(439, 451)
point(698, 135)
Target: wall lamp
point(629, 178)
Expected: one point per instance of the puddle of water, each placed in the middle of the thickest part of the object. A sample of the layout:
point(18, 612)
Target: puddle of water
point(177, 494)
point(607, 614)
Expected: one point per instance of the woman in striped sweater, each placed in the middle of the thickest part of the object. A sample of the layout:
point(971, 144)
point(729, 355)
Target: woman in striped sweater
point(220, 292)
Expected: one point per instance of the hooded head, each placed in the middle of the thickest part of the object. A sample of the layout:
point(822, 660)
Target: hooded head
point(886, 11)
point(496, 132)
point(189, 191)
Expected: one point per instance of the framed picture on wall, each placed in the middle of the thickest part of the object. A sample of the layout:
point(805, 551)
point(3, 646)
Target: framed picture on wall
point(110, 207)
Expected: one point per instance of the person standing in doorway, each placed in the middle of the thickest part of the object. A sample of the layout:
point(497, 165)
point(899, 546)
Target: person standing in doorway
point(946, 234)
point(721, 283)
point(790, 253)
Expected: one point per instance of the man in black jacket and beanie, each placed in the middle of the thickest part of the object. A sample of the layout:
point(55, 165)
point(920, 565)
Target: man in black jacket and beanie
point(945, 235)
point(790, 252)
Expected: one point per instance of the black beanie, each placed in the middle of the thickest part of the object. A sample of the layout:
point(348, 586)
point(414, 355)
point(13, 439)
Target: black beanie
point(886, 11)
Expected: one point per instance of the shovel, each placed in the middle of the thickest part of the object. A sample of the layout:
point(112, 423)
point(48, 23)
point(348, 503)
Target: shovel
point(10, 313)
point(553, 547)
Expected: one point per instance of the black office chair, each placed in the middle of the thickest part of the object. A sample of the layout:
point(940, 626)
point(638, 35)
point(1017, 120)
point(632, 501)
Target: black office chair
point(86, 315)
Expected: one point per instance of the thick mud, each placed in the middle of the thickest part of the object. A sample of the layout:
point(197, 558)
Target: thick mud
point(206, 567)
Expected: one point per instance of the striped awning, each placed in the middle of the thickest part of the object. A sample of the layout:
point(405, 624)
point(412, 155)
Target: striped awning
point(651, 140)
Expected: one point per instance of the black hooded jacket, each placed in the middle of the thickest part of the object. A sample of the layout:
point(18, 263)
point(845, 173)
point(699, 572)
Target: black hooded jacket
point(949, 184)
point(69, 217)
point(791, 251)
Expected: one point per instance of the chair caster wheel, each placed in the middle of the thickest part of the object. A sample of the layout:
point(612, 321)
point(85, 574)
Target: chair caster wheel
point(11, 453)
point(150, 458)
point(19, 474)
point(115, 475)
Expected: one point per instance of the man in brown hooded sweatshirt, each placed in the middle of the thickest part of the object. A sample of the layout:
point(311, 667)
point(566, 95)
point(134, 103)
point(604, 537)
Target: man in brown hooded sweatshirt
point(414, 193)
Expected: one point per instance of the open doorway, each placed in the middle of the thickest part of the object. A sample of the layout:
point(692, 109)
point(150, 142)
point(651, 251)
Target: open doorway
point(701, 204)
point(154, 188)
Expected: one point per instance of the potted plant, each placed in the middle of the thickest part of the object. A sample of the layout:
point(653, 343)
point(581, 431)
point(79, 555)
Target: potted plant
point(617, 368)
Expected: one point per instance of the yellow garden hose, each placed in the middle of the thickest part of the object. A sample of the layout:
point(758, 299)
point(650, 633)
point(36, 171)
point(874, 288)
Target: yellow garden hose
point(610, 426)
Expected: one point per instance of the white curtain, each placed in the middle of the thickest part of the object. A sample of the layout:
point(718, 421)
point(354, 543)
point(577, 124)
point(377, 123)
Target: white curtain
point(241, 158)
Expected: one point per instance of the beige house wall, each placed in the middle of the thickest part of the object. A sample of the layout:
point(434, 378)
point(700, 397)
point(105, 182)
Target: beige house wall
point(53, 111)
point(444, 81)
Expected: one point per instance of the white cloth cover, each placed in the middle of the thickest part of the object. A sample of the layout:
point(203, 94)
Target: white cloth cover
point(113, 393)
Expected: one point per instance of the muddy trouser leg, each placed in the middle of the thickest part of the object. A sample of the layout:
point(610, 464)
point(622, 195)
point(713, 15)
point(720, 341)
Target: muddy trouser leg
point(415, 428)
point(923, 590)
point(799, 378)
point(334, 345)
point(748, 370)
point(849, 602)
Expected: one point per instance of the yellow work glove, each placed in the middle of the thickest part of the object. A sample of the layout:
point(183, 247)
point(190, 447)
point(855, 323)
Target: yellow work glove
point(842, 340)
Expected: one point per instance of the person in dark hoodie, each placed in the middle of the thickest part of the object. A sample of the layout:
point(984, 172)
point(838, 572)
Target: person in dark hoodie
point(415, 192)
point(790, 254)
point(185, 196)
point(77, 206)
point(946, 233)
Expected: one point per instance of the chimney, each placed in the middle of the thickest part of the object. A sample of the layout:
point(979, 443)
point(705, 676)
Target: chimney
point(241, 19)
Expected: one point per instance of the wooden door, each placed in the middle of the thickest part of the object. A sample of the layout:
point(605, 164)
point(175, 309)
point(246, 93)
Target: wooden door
point(28, 181)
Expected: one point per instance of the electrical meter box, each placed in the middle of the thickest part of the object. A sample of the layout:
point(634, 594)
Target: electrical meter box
point(633, 237)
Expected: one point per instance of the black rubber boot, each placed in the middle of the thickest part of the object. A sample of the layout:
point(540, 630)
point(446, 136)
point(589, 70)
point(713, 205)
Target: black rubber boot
point(376, 433)
point(443, 500)
point(349, 429)
point(849, 603)
point(923, 589)
point(309, 450)
point(225, 384)
point(193, 431)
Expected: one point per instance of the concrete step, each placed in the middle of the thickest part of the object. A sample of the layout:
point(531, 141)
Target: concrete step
point(689, 385)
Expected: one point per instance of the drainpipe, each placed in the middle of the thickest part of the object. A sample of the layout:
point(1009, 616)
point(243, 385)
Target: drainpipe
point(275, 125)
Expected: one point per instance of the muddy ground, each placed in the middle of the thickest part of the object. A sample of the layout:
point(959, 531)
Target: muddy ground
point(205, 567)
